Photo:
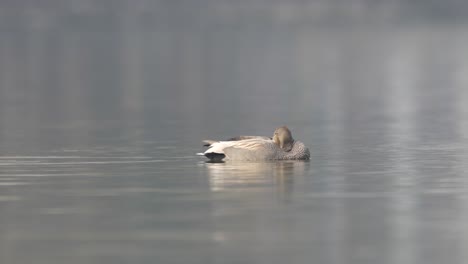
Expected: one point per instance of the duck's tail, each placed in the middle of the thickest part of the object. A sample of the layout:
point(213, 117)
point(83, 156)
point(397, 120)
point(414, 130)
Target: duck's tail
point(213, 157)
point(207, 142)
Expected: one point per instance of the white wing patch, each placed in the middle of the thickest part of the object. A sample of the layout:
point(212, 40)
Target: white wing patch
point(247, 149)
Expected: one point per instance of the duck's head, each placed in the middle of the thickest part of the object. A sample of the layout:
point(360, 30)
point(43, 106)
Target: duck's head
point(283, 138)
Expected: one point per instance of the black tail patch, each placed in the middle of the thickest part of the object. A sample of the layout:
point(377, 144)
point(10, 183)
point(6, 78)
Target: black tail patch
point(215, 156)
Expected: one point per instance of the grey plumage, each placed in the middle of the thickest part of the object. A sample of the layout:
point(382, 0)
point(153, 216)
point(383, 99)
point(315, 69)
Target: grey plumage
point(243, 148)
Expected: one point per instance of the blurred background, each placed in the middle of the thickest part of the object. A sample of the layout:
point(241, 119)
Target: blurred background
point(166, 66)
point(103, 104)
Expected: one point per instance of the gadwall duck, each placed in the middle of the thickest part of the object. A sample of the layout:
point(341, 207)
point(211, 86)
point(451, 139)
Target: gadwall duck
point(281, 146)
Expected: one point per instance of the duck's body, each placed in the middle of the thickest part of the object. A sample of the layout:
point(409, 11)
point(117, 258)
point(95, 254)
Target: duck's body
point(255, 148)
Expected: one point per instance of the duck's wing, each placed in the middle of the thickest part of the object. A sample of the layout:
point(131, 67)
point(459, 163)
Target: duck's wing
point(209, 142)
point(251, 149)
point(247, 137)
point(247, 149)
point(253, 144)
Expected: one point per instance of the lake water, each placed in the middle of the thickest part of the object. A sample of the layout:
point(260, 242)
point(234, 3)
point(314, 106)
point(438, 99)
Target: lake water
point(99, 130)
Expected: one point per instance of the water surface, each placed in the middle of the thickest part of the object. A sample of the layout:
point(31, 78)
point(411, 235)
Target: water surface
point(98, 131)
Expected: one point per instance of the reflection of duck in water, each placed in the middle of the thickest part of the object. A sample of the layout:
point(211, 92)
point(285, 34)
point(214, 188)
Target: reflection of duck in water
point(253, 175)
point(255, 148)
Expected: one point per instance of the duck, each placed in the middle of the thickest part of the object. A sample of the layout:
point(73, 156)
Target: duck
point(281, 146)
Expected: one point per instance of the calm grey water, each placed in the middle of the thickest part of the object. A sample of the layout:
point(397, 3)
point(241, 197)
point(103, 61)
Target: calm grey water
point(98, 131)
